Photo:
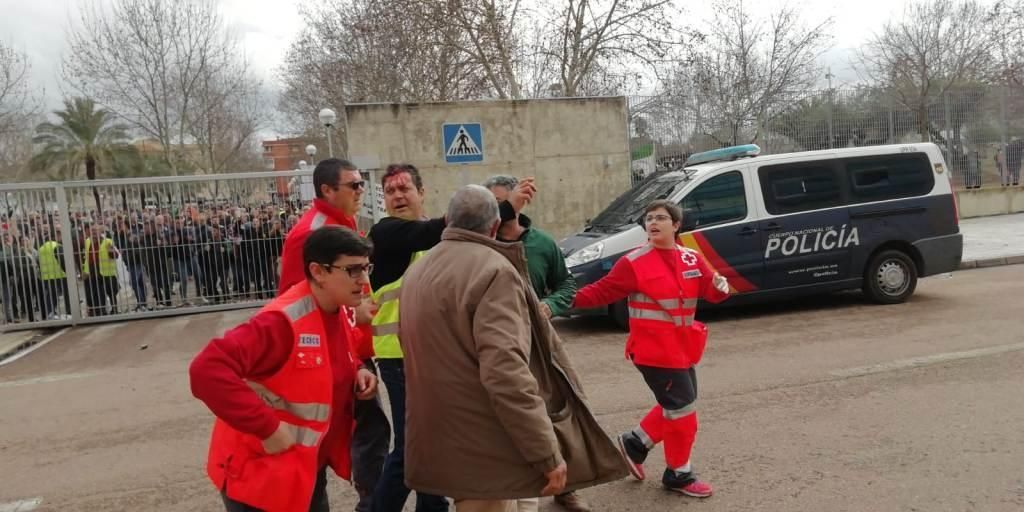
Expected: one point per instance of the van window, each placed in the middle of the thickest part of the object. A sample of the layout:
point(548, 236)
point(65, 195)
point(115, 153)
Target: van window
point(800, 187)
point(717, 200)
point(889, 177)
point(628, 207)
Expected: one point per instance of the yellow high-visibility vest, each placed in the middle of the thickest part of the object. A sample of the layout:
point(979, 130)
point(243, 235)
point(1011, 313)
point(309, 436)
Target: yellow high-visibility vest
point(386, 343)
point(108, 267)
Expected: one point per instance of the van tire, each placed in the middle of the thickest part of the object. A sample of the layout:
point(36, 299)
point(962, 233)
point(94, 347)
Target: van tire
point(619, 312)
point(890, 278)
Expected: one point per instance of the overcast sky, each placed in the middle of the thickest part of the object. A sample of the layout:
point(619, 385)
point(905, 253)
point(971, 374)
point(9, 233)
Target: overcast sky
point(266, 27)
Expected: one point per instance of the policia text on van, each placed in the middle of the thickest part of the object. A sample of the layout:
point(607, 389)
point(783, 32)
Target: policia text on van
point(875, 218)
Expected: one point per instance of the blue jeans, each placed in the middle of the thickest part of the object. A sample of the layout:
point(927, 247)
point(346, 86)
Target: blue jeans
point(391, 491)
point(184, 268)
point(137, 276)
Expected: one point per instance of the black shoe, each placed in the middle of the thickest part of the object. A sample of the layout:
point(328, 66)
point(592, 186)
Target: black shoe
point(634, 452)
point(686, 483)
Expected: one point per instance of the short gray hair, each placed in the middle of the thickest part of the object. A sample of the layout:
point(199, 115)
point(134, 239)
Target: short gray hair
point(502, 180)
point(473, 208)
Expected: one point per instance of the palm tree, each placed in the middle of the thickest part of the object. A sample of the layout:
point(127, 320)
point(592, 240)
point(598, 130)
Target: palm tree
point(86, 136)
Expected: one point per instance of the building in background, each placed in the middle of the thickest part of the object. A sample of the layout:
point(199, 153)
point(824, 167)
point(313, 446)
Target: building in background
point(284, 155)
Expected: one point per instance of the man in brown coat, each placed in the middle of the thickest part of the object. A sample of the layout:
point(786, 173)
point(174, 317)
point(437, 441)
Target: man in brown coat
point(494, 409)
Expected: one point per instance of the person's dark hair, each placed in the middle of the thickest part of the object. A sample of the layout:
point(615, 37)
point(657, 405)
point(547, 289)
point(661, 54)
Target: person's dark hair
point(328, 172)
point(673, 210)
point(395, 169)
point(326, 244)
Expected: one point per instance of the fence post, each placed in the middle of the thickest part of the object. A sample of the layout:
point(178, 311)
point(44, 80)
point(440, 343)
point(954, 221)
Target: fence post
point(831, 107)
point(1004, 125)
point(71, 262)
point(892, 119)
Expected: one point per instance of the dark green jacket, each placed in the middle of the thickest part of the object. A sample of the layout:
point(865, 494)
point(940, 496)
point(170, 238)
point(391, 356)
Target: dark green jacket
point(551, 280)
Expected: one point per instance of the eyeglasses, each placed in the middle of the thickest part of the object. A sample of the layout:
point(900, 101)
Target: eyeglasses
point(354, 271)
point(660, 218)
point(354, 185)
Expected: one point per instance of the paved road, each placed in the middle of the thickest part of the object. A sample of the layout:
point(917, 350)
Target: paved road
point(822, 404)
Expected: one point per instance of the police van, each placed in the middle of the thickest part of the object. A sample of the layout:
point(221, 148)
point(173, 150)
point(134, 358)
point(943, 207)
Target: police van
point(875, 218)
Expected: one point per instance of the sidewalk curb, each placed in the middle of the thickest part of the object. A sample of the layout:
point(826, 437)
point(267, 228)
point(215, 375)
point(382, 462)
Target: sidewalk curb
point(29, 347)
point(993, 262)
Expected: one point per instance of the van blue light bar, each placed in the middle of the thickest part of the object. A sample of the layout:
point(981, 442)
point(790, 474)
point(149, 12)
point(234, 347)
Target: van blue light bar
point(730, 153)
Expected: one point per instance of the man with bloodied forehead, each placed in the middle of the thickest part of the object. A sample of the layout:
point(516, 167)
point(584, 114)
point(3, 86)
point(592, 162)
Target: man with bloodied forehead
point(399, 240)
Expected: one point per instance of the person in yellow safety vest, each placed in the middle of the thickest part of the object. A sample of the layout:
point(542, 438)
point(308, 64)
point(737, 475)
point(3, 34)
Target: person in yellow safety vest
point(99, 270)
point(53, 276)
point(399, 239)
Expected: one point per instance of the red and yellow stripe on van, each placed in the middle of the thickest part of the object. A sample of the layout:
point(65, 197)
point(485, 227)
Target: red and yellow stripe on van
point(698, 242)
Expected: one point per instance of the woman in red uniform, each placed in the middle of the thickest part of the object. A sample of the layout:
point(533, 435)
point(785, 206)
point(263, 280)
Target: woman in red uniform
point(282, 385)
point(663, 282)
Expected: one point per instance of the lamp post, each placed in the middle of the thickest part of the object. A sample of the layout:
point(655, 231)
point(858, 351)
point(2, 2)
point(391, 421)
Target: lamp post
point(311, 151)
point(327, 118)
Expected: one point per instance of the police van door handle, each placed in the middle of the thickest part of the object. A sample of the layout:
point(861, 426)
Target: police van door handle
point(747, 231)
point(772, 227)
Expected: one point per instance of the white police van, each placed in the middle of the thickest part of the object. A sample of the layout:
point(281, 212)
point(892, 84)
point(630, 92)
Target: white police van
point(875, 218)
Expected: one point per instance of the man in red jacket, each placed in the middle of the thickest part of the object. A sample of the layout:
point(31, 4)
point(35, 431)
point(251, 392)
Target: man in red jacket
point(664, 282)
point(282, 384)
point(339, 193)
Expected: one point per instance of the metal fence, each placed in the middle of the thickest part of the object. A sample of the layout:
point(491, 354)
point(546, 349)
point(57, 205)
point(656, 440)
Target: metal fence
point(980, 128)
point(80, 252)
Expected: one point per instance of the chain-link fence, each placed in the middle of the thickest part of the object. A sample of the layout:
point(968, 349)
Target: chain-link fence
point(980, 129)
point(80, 252)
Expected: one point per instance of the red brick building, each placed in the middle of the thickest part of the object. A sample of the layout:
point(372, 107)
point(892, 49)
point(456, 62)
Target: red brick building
point(284, 155)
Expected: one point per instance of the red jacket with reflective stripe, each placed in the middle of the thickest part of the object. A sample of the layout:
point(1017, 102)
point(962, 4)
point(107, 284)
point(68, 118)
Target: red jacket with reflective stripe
point(662, 303)
point(301, 394)
point(320, 215)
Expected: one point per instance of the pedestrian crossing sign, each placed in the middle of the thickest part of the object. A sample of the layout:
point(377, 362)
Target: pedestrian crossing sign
point(463, 143)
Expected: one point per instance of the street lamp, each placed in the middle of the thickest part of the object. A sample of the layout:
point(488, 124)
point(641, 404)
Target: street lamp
point(311, 151)
point(327, 118)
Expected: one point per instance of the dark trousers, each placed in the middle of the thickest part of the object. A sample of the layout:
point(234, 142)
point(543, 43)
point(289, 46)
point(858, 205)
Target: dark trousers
point(391, 492)
point(161, 281)
point(137, 277)
point(48, 303)
point(95, 295)
point(673, 389)
point(319, 502)
point(369, 447)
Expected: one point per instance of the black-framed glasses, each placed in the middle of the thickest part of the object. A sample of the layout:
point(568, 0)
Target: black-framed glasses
point(354, 271)
point(354, 185)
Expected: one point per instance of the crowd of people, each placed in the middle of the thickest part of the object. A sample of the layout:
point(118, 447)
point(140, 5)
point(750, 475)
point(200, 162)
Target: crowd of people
point(138, 260)
point(453, 313)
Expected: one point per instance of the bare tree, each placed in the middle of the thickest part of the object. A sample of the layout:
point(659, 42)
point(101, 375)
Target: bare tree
point(391, 50)
point(225, 117)
point(146, 60)
point(935, 46)
point(16, 103)
point(595, 43)
point(1006, 29)
point(486, 31)
point(747, 70)
point(19, 110)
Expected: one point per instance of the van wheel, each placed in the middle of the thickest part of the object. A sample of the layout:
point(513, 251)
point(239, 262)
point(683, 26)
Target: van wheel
point(891, 277)
point(620, 313)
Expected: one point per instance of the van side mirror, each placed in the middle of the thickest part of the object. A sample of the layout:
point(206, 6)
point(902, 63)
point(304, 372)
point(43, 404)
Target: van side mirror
point(690, 221)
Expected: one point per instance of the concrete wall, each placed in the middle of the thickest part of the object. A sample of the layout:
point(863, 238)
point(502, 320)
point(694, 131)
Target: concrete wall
point(990, 201)
point(577, 148)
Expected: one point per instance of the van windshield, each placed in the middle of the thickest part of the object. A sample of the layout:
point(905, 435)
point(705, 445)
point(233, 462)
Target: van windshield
point(626, 208)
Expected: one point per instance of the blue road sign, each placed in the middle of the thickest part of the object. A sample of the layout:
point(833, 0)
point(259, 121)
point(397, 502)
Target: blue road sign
point(463, 143)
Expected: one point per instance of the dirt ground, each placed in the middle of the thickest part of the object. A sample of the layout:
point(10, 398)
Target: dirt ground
point(826, 403)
